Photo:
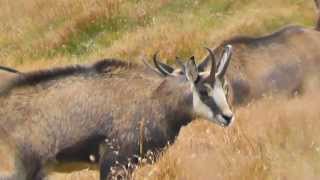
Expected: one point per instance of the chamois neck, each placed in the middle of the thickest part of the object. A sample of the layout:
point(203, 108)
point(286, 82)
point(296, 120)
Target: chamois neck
point(177, 97)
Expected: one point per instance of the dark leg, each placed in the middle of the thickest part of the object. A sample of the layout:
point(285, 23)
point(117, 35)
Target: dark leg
point(34, 171)
point(31, 166)
point(25, 168)
point(110, 156)
point(40, 175)
point(107, 160)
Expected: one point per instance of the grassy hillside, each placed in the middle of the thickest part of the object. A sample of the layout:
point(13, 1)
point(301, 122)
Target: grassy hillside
point(41, 33)
point(274, 138)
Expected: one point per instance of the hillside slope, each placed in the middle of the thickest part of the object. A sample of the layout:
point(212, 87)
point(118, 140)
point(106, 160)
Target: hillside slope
point(274, 138)
point(36, 33)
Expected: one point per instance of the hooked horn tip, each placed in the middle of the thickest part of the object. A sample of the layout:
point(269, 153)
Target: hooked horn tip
point(229, 46)
point(207, 48)
point(155, 56)
point(228, 49)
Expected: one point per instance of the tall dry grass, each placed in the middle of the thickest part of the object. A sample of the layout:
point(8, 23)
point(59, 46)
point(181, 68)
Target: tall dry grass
point(61, 32)
point(31, 28)
point(22, 17)
point(273, 138)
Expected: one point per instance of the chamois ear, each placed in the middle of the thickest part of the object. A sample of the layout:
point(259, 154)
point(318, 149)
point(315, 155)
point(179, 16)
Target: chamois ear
point(224, 62)
point(191, 70)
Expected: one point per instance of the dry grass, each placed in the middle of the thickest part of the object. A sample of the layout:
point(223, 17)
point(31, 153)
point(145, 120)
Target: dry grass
point(81, 175)
point(273, 138)
point(80, 30)
point(30, 27)
point(186, 34)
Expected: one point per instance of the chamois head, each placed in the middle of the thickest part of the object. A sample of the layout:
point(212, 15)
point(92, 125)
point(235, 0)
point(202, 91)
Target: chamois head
point(210, 89)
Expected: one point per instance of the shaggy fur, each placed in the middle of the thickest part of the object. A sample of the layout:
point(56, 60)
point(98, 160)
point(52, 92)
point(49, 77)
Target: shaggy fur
point(52, 114)
point(259, 64)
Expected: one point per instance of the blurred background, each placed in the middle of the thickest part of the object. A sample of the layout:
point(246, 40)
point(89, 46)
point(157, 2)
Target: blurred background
point(273, 138)
point(68, 31)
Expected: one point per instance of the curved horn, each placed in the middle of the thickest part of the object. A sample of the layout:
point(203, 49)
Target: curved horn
point(212, 76)
point(10, 70)
point(163, 68)
point(151, 67)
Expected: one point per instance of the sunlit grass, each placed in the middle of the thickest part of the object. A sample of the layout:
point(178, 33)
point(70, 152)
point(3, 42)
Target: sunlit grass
point(275, 138)
point(89, 30)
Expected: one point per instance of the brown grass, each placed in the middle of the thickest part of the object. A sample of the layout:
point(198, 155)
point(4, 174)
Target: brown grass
point(30, 29)
point(36, 25)
point(273, 138)
point(187, 34)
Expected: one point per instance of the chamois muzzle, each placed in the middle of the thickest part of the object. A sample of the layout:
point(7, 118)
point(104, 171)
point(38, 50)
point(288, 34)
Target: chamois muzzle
point(224, 120)
point(227, 119)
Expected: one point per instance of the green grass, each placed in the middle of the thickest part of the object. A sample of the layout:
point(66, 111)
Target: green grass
point(85, 40)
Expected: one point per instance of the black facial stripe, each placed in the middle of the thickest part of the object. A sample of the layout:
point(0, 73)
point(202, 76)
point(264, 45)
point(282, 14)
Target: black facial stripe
point(208, 100)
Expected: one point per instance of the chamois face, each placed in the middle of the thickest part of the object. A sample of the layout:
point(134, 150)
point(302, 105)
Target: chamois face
point(210, 101)
point(210, 90)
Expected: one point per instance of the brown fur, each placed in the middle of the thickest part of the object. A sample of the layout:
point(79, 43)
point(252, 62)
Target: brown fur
point(103, 66)
point(261, 65)
point(317, 2)
point(53, 113)
point(275, 63)
point(36, 77)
